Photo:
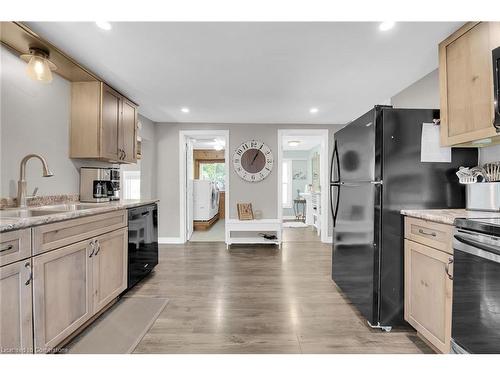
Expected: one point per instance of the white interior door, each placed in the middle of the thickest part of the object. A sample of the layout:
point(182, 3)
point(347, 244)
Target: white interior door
point(189, 188)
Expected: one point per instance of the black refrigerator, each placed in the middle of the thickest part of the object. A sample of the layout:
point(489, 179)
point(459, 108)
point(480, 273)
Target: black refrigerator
point(375, 172)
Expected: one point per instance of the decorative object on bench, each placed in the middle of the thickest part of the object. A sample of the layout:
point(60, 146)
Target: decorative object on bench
point(245, 211)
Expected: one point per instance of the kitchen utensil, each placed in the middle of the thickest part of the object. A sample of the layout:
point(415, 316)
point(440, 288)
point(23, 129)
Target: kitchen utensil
point(466, 176)
point(492, 171)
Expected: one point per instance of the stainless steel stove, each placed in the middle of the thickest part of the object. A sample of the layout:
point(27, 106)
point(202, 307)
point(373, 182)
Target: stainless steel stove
point(476, 286)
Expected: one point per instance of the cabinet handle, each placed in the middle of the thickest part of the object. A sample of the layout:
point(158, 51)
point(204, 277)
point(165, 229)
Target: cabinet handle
point(28, 266)
point(421, 231)
point(6, 248)
point(447, 268)
point(98, 247)
point(92, 245)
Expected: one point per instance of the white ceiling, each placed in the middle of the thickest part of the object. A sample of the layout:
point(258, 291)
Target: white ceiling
point(207, 143)
point(307, 142)
point(253, 72)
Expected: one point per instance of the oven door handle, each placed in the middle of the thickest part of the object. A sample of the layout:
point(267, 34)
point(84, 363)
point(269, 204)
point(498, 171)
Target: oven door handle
point(477, 248)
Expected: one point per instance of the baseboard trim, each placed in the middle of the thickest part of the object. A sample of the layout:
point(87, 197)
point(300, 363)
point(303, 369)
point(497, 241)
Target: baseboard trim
point(329, 239)
point(170, 240)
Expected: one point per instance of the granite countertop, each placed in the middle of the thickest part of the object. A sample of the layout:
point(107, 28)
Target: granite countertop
point(69, 210)
point(448, 216)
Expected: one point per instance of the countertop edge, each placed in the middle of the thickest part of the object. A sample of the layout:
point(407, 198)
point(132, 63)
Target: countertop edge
point(10, 224)
point(437, 217)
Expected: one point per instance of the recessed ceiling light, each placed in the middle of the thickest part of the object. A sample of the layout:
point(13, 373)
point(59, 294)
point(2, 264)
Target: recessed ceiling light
point(314, 110)
point(293, 143)
point(105, 25)
point(185, 109)
point(387, 25)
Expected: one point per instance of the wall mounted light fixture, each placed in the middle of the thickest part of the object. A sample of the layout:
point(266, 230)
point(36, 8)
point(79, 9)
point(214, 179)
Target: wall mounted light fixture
point(39, 66)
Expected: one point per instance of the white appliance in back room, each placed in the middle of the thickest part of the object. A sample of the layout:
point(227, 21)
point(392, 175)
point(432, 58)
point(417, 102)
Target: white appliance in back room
point(206, 200)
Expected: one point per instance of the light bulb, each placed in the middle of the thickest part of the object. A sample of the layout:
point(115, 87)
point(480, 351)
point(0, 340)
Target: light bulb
point(387, 25)
point(38, 69)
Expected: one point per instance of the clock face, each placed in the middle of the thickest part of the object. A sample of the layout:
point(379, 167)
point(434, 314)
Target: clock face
point(253, 161)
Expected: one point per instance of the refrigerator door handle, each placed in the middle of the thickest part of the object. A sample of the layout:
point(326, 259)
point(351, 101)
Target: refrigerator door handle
point(336, 209)
point(335, 160)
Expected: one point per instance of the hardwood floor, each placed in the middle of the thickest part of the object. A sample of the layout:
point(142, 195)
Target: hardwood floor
point(258, 299)
point(308, 234)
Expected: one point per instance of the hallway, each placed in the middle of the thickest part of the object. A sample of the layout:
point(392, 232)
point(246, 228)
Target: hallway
point(258, 300)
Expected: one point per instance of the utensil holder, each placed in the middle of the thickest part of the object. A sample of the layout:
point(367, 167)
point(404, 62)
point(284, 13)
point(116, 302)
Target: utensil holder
point(483, 196)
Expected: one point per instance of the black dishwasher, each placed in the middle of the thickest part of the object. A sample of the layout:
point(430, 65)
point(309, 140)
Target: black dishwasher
point(142, 242)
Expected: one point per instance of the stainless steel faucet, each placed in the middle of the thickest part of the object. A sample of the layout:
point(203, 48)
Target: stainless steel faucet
point(21, 184)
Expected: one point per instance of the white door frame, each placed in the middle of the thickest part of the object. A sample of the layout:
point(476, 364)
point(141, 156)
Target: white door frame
point(183, 135)
point(323, 166)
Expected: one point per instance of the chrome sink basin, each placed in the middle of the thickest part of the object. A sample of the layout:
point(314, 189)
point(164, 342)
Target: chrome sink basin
point(29, 213)
point(48, 210)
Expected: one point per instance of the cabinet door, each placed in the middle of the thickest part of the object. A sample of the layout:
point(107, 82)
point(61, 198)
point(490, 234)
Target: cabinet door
point(110, 123)
point(428, 293)
point(109, 267)
point(16, 335)
point(128, 136)
point(466, 75)
point(62, 281)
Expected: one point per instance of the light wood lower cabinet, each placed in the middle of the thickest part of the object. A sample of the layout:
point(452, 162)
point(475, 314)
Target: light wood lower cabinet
point(428, 293)
point(16, 335)
point(73, 283)
point(62, 289)
point(109, 267)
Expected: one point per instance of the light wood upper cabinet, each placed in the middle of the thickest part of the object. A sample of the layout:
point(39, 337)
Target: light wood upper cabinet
point(109, 267)
point(16, 334)
point(110, 128)
point(62, 290)
point(128, 137)
point(466, 84)
point(103, 124)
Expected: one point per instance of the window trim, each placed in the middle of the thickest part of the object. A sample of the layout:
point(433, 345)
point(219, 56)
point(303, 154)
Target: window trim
point(289, 183)
point(136, 175)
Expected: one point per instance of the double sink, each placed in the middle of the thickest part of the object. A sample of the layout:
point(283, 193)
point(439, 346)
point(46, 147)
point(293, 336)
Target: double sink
point(47, 210)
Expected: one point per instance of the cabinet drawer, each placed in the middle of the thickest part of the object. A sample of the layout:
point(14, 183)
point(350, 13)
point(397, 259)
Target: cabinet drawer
point(436, 235)
point(14, 246)
point(52, 236)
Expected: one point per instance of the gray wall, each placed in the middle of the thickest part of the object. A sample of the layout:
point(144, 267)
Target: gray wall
point(35, 118)
point(422, 94)
point(425, 94)
point(263, 195)
point(299, 159)
point(147, 165)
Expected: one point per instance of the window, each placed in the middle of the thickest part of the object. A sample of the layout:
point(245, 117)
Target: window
point(286, 180)
point(131, 184)
point(213, 171)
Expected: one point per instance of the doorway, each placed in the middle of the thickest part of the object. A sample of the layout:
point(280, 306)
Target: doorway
point(302, 184)
point(204, 185)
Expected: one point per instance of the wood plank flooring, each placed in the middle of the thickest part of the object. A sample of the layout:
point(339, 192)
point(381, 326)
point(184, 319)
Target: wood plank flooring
point(258, 299)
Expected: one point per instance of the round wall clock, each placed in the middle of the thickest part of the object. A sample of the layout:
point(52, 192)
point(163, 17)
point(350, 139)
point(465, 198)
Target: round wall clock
point(253, 161)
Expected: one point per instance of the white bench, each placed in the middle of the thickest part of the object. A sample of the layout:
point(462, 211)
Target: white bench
point(251, 230)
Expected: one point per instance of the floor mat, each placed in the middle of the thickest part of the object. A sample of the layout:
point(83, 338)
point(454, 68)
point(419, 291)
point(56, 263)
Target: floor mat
point(120, 329)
